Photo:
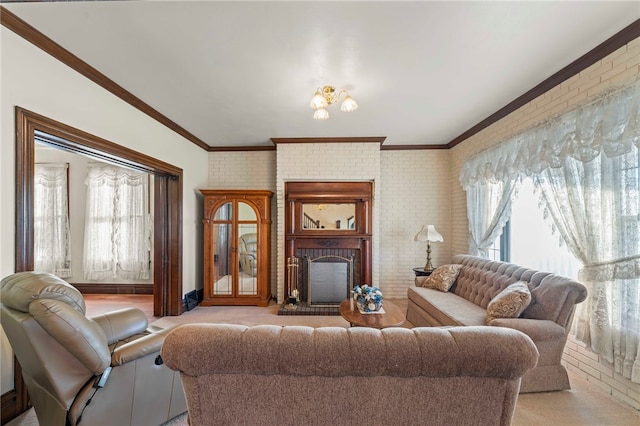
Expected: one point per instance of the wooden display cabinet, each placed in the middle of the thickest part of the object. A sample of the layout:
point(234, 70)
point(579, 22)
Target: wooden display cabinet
point(237, 241)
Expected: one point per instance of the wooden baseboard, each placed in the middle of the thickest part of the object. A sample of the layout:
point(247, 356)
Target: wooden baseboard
point(114, 288)
point(8, 407)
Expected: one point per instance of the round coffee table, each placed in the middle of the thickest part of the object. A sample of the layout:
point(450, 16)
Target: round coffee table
point(392, 316)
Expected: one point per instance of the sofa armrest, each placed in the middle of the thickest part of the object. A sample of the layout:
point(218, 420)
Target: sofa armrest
point(555, 299)
point(538, 330)
point(123, 323)
point(137, 349)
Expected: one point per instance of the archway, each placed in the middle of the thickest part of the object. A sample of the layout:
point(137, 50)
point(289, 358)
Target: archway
point(167, 206)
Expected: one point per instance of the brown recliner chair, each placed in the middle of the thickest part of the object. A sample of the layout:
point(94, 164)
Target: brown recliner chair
point(104, 370)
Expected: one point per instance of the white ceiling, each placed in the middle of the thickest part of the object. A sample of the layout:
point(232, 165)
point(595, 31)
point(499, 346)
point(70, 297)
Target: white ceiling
point(240, 73)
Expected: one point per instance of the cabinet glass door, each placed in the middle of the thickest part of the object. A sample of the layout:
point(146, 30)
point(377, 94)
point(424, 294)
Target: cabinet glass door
point(223, 250)
point(247, 250)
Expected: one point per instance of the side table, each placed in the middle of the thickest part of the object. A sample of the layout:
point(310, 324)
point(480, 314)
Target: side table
point(421, 272)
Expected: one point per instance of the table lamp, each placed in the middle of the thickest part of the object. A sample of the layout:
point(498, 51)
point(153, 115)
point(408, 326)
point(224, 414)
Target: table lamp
point(429, 234)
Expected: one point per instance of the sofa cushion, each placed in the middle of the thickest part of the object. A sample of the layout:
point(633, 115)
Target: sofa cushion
point(510, 302)
point(443, 277)
point(447, 308)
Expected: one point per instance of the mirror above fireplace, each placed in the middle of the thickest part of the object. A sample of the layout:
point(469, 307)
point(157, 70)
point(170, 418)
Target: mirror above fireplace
point(329, 216)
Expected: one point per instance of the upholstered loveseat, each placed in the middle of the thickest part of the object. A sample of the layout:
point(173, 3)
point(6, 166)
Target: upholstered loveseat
point(546, 319)
point(233, 374)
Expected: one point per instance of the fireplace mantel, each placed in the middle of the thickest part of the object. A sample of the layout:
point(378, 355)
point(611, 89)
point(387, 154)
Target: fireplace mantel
point(354, 240)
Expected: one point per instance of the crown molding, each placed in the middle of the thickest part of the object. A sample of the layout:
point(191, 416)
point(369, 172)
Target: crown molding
point(32, 35)
point(242, 148)
point(376, 139)
point(613, 43)
point(411, 147)
point(38, 39)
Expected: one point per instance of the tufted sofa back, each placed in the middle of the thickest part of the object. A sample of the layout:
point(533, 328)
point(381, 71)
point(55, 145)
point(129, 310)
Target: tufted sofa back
point(339, 352)
point(552, 296)
point(268, 374)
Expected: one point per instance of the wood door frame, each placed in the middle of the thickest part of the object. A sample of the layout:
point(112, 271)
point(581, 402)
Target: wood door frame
point(167, 205)
point(167, 208)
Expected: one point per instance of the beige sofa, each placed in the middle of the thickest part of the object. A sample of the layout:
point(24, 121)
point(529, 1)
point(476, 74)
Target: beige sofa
point(238, 375)
point(546, 320)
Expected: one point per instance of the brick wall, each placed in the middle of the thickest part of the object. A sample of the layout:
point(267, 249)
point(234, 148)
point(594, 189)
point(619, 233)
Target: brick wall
point(619, 67)
point(326, 162)
point(587, 365)
point(242, 170)
point(411, 190)
point(414, 192)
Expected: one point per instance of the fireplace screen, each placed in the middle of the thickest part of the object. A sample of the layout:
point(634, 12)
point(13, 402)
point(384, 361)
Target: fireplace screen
point(329, 280)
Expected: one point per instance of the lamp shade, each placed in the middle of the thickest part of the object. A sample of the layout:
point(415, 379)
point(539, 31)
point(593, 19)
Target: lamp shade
point(348, 105)
point(318, 101)
point(321, 114)
point(428, 233)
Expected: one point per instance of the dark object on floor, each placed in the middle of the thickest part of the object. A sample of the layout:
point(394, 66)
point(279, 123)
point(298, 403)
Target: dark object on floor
point(191, 300)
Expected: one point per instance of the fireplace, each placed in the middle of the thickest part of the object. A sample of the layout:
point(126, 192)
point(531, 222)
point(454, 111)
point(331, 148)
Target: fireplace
point(328, 238)
point(328, 280)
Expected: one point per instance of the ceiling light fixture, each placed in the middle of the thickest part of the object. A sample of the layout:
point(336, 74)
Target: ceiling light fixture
point(326, 96)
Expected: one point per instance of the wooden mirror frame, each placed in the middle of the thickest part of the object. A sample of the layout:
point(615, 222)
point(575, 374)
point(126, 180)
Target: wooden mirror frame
point(359, 193)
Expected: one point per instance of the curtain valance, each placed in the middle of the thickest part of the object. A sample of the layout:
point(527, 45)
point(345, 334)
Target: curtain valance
point(610, 124)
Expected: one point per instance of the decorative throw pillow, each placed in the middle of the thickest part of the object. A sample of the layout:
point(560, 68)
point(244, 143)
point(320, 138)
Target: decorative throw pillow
point(510, 302)
point(443, 277)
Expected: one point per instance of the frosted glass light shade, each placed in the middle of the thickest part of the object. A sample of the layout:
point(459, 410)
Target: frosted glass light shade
point(318, 101)
point(348, 104)
point(321, 114)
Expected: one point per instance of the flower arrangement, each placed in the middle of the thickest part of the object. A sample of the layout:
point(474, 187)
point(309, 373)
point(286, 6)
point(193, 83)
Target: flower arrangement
point(368, 299)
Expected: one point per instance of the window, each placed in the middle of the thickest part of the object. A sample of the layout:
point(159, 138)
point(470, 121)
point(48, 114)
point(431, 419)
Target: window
point(117, 229)
point(630, 201)
point(52, 247)
point(533, 243)
point(585, 166)
point(500, 250)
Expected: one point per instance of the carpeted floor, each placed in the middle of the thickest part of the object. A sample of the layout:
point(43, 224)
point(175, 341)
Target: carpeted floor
point(29, 419)
point(585, 404)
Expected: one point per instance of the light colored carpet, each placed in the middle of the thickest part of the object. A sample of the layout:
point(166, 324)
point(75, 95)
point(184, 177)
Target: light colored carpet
point(29, 418)
point(584, 404)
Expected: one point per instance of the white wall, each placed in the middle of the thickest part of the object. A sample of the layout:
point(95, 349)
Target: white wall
point(33, 80)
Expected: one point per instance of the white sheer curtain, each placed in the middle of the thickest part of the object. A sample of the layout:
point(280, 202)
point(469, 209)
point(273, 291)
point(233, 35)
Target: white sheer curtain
point(594, 207)
point(488, 209)
point(52, 240)
point(117, 228)
point(585, 163)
